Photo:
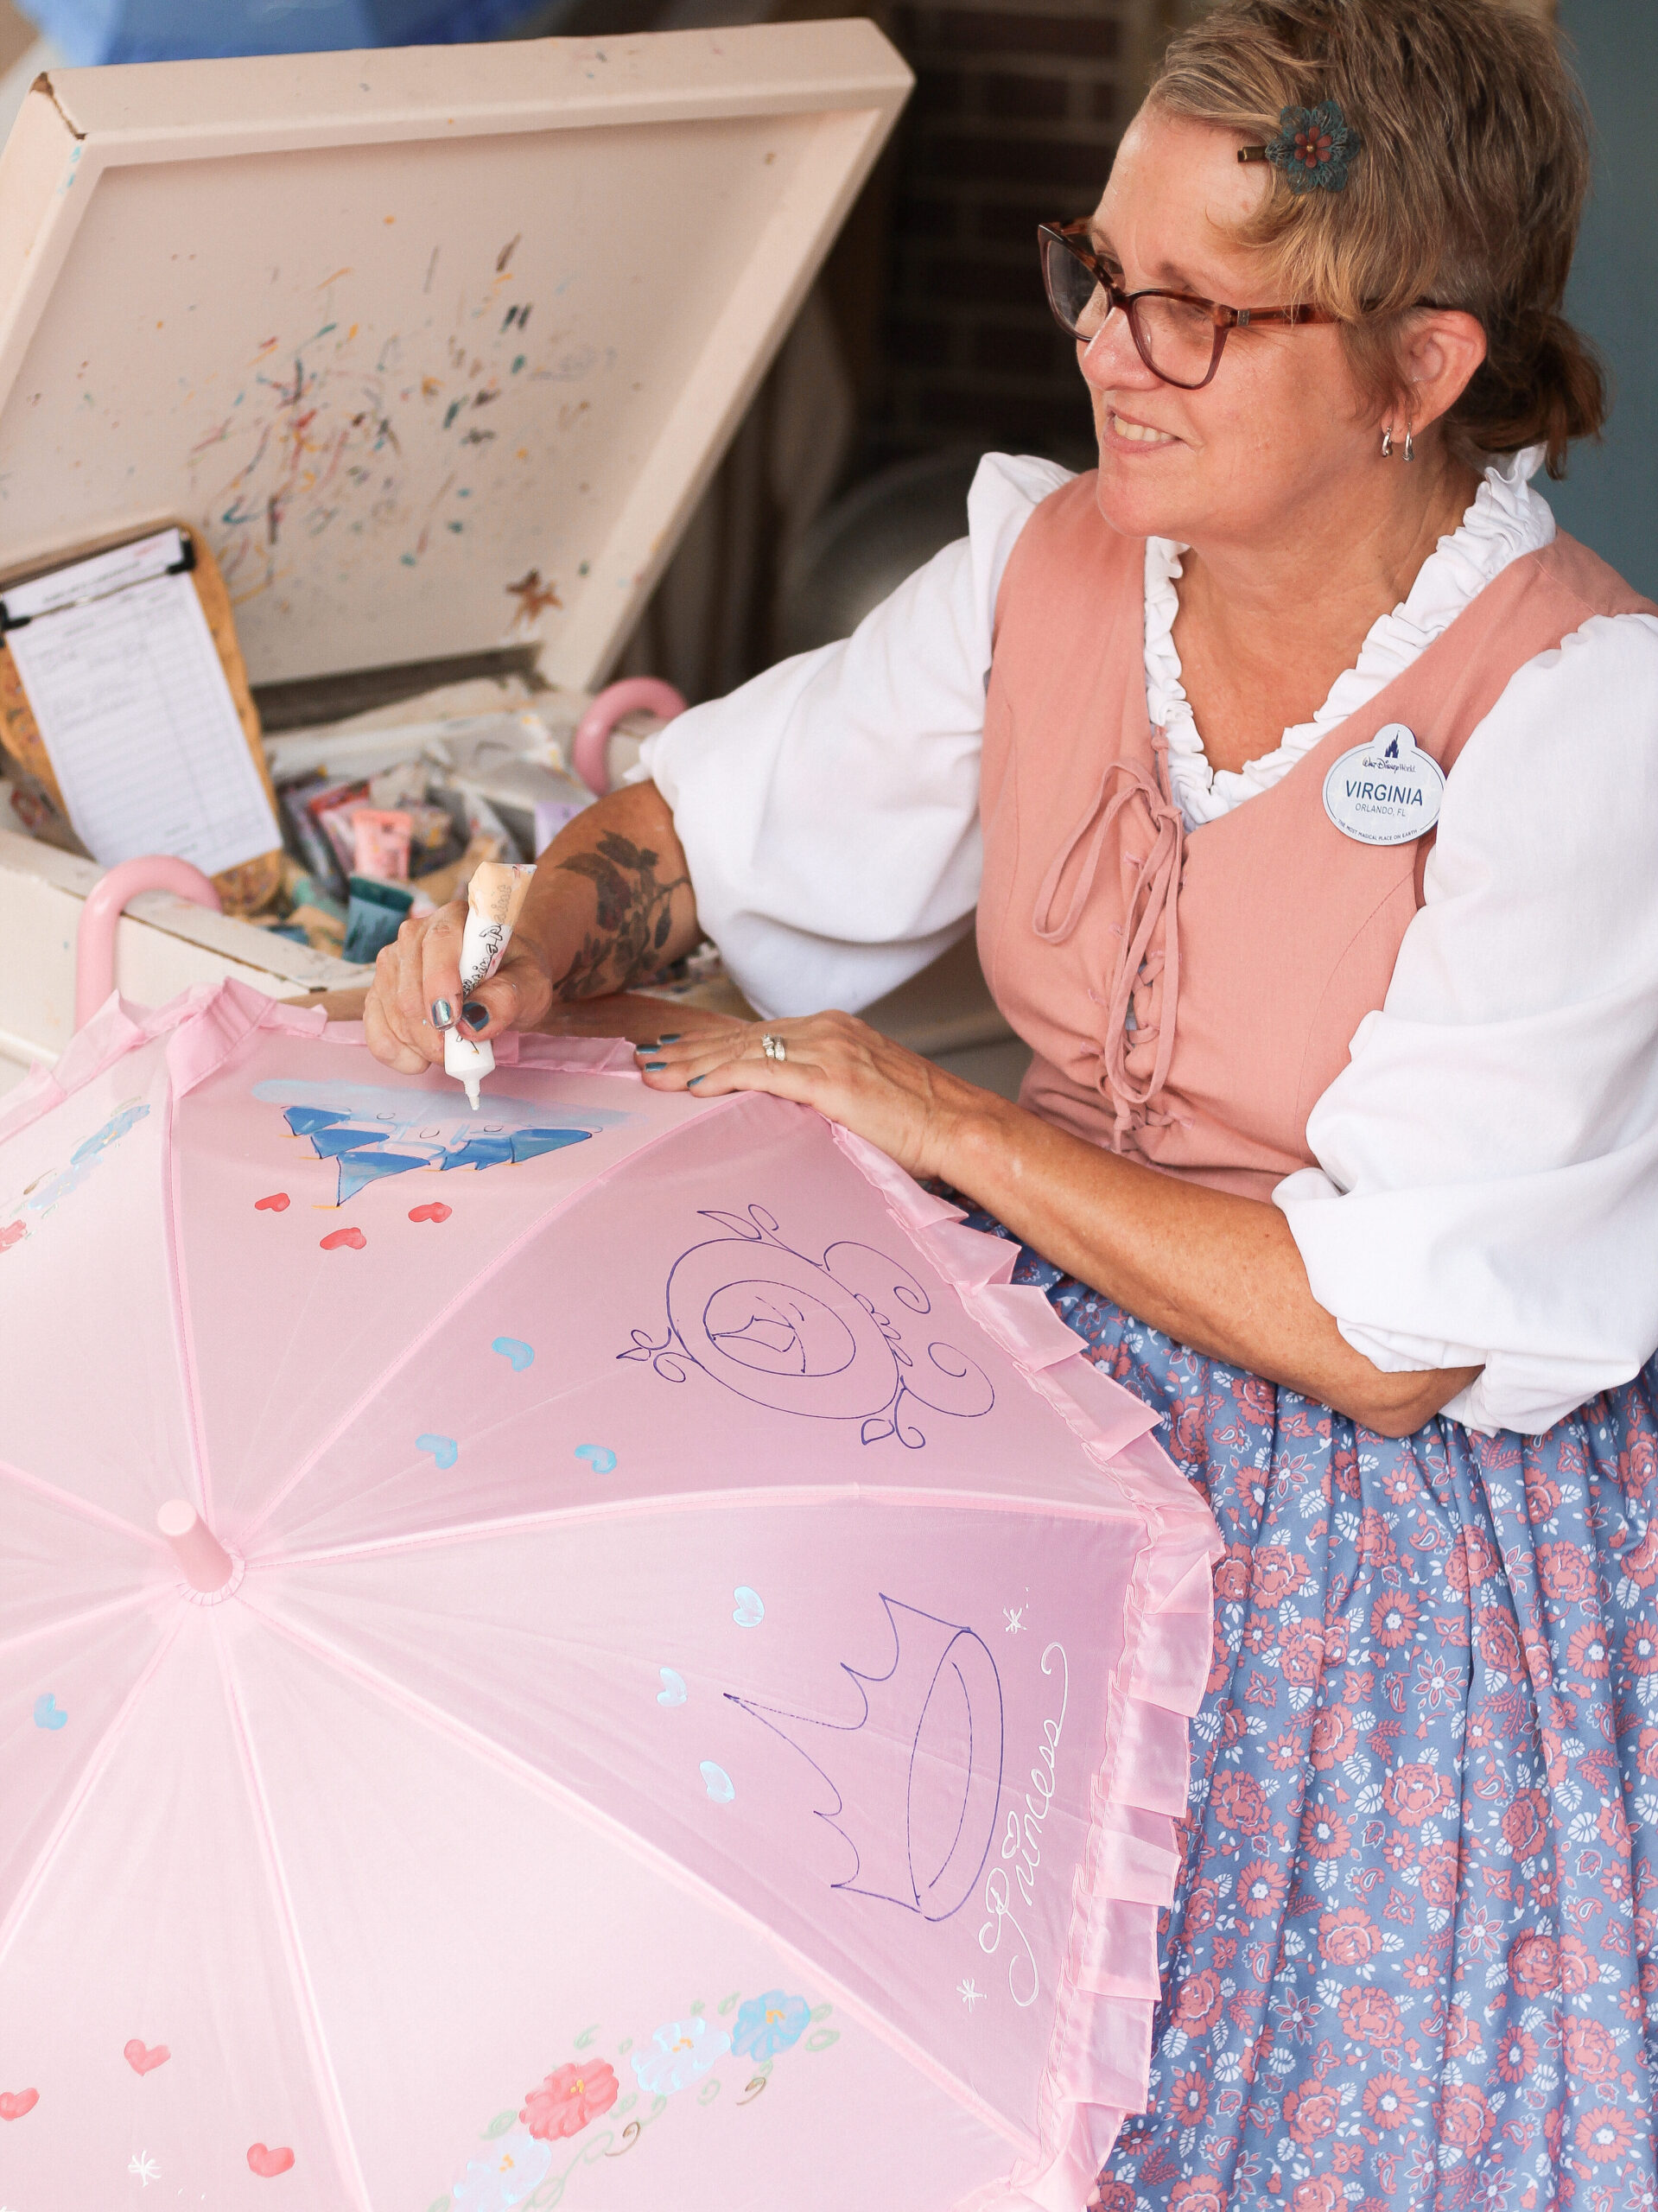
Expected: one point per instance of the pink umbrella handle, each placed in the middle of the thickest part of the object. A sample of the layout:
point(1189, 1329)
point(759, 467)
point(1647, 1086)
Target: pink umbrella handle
point(95, 939)
point(633, 694)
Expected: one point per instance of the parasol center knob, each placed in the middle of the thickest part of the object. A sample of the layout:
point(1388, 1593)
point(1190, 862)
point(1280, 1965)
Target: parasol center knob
point(206, 1565)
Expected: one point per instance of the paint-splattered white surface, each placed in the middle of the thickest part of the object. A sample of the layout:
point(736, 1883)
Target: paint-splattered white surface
point(429, 395)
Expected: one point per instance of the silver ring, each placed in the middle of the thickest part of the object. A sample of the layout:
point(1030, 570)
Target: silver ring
point(774, 1047)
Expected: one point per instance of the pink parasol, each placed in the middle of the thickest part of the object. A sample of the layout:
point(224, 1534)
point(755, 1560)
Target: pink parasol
point(596, 1653)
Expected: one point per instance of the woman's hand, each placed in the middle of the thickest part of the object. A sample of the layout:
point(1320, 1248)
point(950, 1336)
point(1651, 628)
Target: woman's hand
point(915, 1112)
point(610, 904)
point(1218, 1272)
point(418, 983)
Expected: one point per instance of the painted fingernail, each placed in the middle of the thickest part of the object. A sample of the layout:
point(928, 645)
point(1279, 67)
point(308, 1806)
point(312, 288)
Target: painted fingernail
point(652, 1067)
point(476, 1013)
point(671, 1038)
point(442, 1014)
point(697, 1078)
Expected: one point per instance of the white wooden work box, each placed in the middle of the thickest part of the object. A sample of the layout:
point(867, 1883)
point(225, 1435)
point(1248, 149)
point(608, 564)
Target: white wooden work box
point(436, 348)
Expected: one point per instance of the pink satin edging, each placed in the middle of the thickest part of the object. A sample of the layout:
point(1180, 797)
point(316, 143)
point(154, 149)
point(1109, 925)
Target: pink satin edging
point(119, 1027)
point(1099, 2059)
point(519, 1049)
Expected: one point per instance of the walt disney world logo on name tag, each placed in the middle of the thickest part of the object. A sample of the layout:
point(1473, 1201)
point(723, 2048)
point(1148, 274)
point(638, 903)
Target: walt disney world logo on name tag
point(1385, 792)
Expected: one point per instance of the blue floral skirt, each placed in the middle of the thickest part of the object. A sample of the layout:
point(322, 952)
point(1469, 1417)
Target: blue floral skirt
point(1413, 1958)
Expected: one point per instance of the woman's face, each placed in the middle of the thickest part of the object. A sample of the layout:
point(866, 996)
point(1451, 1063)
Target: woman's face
point(1281, 422)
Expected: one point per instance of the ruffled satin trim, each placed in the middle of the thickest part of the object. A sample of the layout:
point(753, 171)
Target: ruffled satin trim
point(1099, 2057)
point(1506, 520)
point(231, 1011)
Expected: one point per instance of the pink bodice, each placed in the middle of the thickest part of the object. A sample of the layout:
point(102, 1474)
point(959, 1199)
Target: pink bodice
point(1189, 994)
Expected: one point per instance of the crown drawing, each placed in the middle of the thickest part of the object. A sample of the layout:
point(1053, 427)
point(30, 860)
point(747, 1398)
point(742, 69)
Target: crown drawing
point(915, 1777)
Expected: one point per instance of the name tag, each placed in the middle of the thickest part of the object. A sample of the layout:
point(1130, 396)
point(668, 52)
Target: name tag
point(1385, 792)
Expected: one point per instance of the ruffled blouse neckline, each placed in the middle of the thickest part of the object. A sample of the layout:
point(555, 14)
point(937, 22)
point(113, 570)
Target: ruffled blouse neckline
point(1506, 520)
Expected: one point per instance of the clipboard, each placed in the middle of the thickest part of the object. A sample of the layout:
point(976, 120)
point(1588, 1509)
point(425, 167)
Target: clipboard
point(253, 883)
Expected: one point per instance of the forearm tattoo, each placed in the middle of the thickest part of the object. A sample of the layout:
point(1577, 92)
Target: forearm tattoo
point(631, 926)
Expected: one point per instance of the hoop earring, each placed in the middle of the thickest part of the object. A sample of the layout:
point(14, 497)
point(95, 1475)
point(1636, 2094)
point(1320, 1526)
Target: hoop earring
point(1410, 447)
point(1387, 443)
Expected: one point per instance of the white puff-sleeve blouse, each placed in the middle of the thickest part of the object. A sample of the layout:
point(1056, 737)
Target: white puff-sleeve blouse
point(1487, 1186)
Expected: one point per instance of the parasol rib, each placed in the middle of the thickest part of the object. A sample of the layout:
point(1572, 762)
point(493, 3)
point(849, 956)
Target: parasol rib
point(179, 1311)
point(624, 1509)
point(102, 1751)
point(299, 1971)
point(100, 1515)
point(87, 1617)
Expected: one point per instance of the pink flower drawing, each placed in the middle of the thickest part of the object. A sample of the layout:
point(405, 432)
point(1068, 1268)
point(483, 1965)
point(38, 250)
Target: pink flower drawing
point(569, 2099)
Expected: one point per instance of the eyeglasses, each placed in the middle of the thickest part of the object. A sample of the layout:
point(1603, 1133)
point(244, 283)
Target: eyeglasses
point(1179, 337)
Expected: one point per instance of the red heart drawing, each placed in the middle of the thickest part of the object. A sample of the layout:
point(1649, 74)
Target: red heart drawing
point(353, 1240)
point(14, 2103)
point(143, 2061)
point(276, 1203)
point(435, 1211)
point(269, 2163)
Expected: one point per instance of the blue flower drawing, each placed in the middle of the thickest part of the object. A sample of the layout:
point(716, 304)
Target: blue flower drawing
point(502, 2175)
point(770, 2024)
point(684, 2050)
point(49, 1191)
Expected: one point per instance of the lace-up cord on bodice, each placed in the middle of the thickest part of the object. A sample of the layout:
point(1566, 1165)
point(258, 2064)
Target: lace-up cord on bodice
point(1153, 899)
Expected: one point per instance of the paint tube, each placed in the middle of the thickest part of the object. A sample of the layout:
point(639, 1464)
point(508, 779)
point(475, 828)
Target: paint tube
point(374, 916)
point(380, 843)
point(494, 898)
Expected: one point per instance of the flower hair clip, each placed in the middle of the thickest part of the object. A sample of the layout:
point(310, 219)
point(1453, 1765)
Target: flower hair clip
point(1312, 148)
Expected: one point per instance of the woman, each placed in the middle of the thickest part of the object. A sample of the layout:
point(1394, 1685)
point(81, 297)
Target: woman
point(1306, 784)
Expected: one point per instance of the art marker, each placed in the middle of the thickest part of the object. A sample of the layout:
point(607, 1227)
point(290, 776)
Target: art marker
point(494, 899)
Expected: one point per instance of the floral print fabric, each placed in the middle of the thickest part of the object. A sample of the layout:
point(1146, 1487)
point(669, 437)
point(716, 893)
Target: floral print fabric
point(1414, 1945)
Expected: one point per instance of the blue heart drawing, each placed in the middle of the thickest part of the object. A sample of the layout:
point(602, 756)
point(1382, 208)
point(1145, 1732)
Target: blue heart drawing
point(673, 1687)
point(720, 1785)
point(750, 1612)
point(515, 1350)
point(444, 1449)
point(48, 1713)
point(599, 1457)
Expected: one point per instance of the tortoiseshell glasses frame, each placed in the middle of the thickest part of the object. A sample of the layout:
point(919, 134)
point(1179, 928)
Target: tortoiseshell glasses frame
point(1190, 334)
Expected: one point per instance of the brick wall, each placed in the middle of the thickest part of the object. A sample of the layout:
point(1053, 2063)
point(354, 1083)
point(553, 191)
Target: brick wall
point(1018, 108)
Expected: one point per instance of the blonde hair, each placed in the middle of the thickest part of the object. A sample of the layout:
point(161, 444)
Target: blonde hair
point(1466, 192)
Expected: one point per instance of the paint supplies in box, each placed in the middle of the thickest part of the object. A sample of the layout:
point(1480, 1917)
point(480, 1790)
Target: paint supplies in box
point(375, 915)
point(471, 787)
point(505, 772)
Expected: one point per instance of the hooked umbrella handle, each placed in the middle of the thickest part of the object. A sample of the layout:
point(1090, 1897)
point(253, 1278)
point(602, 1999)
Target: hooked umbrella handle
point(633, 695)
point(95, 938)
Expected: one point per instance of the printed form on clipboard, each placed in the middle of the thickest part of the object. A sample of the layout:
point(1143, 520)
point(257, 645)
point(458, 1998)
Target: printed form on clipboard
point(131, 699)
